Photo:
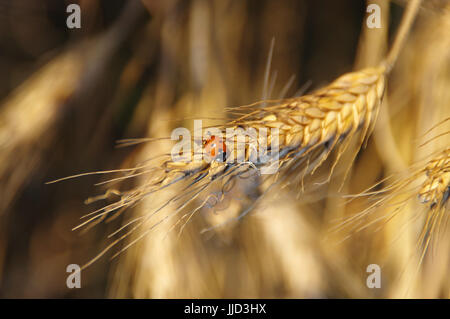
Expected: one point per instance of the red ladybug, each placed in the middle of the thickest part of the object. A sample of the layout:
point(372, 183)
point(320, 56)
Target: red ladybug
point(215, 148)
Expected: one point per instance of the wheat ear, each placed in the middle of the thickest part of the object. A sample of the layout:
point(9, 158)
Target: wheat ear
point(310, 128)
point(435, 192)
point(436, 188)
point(408, 18)
point(427, 181)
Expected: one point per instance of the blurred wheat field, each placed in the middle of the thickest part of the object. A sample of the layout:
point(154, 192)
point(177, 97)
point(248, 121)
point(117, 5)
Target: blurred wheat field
point(140, 69)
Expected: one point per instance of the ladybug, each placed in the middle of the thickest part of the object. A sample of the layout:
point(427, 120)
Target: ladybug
point(215, 148)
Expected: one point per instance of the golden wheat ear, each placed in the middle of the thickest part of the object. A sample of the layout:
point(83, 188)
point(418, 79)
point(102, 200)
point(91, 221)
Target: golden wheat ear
point(435, 189)
point(435, 192)
point(310, 128)
point(427, 183)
